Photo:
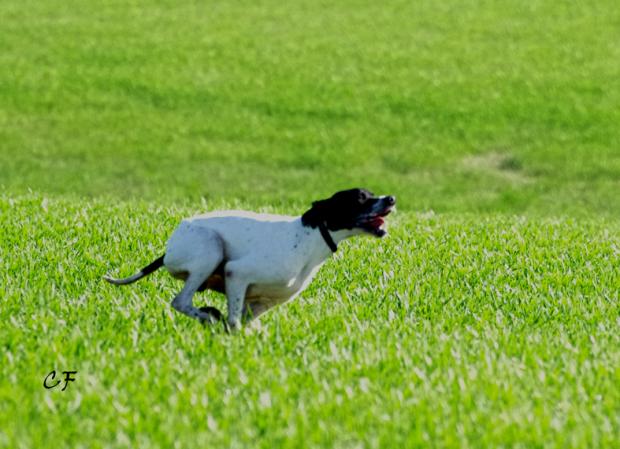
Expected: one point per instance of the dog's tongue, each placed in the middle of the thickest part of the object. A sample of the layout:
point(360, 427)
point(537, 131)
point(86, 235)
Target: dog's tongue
point(376, 222)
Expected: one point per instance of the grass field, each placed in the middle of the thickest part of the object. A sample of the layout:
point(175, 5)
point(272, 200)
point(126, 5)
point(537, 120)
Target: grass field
point(490, 315)
point(464, 331)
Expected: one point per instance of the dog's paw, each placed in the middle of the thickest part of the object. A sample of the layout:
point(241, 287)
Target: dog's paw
point(234, 326)
point(210, 315)
point(212, 312)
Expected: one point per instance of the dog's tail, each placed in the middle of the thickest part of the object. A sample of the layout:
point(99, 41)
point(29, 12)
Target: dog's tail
point(153, 266)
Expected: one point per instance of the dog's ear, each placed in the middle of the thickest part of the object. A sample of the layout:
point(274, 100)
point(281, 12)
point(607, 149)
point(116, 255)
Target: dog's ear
point(316, 214)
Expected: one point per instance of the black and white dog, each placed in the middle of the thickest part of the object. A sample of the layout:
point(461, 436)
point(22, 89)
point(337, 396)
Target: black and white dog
point(260, 260)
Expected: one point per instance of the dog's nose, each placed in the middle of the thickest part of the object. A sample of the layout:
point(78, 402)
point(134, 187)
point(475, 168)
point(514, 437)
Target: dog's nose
point(391, 200)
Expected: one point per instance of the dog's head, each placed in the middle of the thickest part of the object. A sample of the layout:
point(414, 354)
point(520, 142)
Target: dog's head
point(351, 209)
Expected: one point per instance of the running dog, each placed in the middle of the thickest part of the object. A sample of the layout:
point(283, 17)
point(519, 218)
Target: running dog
point(259, 260)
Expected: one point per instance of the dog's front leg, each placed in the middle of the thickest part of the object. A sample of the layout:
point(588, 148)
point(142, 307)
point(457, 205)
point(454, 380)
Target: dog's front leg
point(236, 287)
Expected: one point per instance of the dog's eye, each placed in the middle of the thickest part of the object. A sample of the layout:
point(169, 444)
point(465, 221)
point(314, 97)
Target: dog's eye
point(363, 197)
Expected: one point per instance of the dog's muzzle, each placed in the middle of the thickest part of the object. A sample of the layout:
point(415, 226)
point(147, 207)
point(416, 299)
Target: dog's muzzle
point(374, 221)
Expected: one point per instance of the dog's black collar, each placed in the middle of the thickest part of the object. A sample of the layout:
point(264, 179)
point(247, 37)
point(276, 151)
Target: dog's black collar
point(327, 237)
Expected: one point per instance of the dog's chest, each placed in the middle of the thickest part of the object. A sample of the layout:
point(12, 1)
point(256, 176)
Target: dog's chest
point(282, 290)
point(270, 292)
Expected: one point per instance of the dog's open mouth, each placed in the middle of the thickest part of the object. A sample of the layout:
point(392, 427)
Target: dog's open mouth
point(373, 223)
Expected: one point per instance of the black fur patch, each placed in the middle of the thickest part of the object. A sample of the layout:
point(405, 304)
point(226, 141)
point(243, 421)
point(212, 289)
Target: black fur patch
point(153, 266)
point(341, 211)
point(215, 313)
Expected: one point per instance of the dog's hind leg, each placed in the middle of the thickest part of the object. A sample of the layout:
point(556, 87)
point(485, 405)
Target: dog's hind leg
point(193, 253)
point(184, 304)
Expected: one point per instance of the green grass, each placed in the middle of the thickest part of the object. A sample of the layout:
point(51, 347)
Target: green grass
point(488, 318)
point(456, 106)
point(454, 331)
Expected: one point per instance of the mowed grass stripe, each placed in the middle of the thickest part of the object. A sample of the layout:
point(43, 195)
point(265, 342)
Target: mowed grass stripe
point(455, 330)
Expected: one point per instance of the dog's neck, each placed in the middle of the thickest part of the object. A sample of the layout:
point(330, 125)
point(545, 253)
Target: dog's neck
point(319, 248)
point(341, 234)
